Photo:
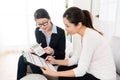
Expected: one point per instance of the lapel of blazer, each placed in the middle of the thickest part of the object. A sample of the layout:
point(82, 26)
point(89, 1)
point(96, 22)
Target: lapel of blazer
point(44, 43)
point(53, 39)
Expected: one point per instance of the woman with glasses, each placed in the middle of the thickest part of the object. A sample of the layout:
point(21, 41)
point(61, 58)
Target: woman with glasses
point(92, 53)
point(51, 38)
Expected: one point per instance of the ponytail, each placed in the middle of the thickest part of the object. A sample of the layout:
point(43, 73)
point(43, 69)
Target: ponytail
point(88, 21)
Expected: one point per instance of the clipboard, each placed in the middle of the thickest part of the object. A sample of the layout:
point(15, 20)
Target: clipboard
point(37, 60)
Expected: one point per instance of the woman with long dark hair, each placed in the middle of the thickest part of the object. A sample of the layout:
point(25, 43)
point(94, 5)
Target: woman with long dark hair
point(92, 53)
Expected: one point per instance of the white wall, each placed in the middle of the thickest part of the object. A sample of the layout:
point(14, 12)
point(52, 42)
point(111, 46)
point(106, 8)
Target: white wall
point(117, 21)
point(83, 4)
point(17, 25)
point(107, 19)
point(108, 11)
point(13, 24)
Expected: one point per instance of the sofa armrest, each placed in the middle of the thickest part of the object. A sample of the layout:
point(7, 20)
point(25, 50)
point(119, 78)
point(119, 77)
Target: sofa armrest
point(117, 77)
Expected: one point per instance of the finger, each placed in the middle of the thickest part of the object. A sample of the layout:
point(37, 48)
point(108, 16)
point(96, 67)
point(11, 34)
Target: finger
point(47, 58)
point(40, 44)
point(47, 61)
point(43, 68)
point(48, 47)
point(45, 48)
point(31, 50)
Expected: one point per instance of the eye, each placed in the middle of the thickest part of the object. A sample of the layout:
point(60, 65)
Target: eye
point(66, 26)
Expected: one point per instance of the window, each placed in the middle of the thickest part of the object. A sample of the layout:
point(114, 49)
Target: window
point(17, 23)
point(108, 10)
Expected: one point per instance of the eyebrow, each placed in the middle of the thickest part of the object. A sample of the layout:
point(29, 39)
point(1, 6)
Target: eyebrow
point(43, 23)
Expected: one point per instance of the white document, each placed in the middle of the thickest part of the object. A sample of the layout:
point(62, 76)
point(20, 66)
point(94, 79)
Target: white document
point(38, 49)
point(36, 60)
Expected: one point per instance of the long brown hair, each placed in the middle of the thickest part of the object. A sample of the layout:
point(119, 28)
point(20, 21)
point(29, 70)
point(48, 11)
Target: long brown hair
point(76, 15)
point(88, 21)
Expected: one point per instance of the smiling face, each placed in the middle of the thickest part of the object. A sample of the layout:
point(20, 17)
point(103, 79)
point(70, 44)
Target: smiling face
point(70, 27)
point(43, 23)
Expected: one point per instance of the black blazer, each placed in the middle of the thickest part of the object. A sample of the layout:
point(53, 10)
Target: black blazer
point(57, 42)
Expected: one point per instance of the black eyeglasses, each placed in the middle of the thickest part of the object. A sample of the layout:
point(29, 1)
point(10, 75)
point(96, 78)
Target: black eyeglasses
point(43, 24)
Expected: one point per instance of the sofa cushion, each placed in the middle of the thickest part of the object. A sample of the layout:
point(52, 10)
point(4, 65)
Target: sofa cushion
point(34, 77)
point(115, 45)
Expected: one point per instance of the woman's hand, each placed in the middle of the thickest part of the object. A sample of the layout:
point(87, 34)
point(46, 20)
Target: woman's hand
point(48, 71)
point(48, 50)
point(31, 50)
point(50, 59)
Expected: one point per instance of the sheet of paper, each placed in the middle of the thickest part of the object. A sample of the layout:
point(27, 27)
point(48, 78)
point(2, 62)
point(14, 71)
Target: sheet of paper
point(36, 60)
point(38, 49)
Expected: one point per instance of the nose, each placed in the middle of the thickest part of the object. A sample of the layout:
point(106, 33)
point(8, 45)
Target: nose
point(42, 26)
point(66, 29)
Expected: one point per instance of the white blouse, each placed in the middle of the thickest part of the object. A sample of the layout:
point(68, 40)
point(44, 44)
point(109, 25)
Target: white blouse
point(93, 55)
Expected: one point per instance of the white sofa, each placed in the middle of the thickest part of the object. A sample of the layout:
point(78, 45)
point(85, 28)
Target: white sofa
point(34, 77)
point(115, 45)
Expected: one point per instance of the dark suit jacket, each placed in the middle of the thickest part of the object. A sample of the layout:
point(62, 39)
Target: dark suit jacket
point(57, 42)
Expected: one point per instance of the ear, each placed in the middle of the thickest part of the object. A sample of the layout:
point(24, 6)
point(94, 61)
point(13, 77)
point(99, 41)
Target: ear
point(79, 25)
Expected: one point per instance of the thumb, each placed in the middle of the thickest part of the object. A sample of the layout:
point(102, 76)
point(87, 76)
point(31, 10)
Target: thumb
point(40, 44)
point(43, 68)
